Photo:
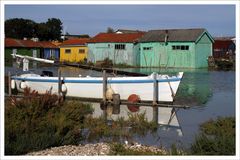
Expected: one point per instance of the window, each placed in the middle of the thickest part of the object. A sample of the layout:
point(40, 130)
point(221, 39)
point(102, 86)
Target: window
point(182, 47)
point(81, 51)
point(147, 48)
point(67, 50)
point(120, 46)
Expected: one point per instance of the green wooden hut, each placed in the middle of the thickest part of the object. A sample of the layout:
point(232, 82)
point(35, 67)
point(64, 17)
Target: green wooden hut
point(121, 48)
point(176, 48)
point(22, 47)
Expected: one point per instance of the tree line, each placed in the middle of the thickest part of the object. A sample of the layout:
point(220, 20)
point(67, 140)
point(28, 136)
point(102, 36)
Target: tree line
point(20, 28)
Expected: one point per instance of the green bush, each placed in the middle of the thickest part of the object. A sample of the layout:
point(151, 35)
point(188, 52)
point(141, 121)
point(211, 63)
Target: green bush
point(38, 122)
point(216, 138)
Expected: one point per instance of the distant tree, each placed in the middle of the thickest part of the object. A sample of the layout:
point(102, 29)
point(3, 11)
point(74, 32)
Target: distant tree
point(42, 31)
point(54, 26)
point(110, 30)
point(20, 28)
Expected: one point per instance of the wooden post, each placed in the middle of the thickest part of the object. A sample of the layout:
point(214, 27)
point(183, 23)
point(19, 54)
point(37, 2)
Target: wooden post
point(9, 84)
point(59, 85)
point(155, 114)
point(155, 98)
point(155, 89)
point(104, 86)
point(116, 104)
point(104, 102)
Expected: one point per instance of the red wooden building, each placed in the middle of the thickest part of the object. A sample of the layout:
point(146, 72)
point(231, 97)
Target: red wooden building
point(224, 47)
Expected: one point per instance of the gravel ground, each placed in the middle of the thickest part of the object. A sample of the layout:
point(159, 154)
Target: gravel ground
point(90, 150)
point(70, 150)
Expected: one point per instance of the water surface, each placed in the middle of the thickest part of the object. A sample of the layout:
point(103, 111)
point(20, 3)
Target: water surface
point(209, 93)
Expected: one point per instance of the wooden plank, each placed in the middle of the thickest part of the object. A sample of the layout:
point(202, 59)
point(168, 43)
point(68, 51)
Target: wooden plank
point(122, 102)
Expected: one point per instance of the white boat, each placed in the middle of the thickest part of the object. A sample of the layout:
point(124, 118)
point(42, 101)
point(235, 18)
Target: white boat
point(92, 87)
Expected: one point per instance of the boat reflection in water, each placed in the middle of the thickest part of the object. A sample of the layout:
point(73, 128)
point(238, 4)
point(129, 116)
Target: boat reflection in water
point(166, 118)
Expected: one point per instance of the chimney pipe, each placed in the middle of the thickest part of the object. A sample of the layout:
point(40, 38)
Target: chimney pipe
point(166, 36)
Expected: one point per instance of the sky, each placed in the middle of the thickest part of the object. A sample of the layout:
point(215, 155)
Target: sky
point(219, 20)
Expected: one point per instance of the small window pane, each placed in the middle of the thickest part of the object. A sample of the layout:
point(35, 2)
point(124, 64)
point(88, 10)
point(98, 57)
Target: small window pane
point(81, 51)
point(67, 50)
point(120, 46)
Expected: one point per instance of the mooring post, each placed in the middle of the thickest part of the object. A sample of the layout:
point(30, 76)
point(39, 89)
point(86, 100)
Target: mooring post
point(116, 103)
point(9, 84)
point(104, 102)
point(155, 89)
point(59, 85)
point(155, 98)
point(104, 86)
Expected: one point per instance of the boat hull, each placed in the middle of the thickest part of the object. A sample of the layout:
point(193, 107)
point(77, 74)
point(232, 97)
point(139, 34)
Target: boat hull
point(90, 87)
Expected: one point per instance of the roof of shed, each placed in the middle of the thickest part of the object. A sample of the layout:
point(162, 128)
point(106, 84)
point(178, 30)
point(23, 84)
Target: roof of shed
point(75, 42)
point(46, 44)
point(10, 42)
point(128, 31)
point(174, 35)
point(116, 38)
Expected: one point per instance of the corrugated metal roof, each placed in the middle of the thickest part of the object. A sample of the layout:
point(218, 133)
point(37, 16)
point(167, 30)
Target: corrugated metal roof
point(45, 44)
point(10, 42)
point(75, 42)
point(116, 38)
point(174, 35)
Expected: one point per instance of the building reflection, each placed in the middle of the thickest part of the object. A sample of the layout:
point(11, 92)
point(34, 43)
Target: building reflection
point(166, 118)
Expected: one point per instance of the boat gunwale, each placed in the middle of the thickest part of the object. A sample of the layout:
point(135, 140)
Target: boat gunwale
point(97, 81)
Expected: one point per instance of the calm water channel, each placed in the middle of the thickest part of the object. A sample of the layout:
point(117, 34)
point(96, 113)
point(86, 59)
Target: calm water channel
point(209, 93)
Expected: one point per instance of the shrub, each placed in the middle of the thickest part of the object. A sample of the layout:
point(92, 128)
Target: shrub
point(216, 138)
point(39, 122)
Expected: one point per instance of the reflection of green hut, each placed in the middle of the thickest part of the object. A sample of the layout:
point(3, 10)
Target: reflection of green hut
point(194, 89)
point(22, 47)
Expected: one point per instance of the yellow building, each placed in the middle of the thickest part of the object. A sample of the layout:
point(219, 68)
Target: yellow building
point(74, 50)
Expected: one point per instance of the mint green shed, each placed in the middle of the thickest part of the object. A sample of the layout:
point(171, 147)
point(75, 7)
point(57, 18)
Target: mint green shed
point(127, 55)
point(120, 48)
point(176, 48)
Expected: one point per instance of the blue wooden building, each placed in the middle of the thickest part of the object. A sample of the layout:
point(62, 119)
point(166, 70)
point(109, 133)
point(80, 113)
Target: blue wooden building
point(49, 50)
